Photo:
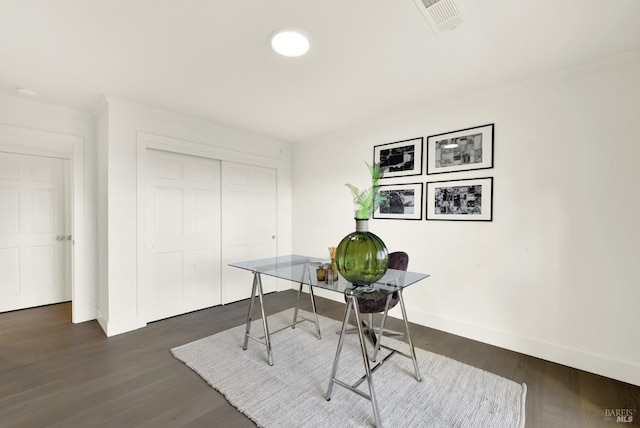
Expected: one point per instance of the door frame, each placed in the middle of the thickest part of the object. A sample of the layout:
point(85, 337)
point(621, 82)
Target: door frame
point(26, 141)
point(147, 141)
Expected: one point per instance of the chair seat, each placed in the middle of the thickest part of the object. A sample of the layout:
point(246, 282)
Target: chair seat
point(398, 260)
point(366, 306)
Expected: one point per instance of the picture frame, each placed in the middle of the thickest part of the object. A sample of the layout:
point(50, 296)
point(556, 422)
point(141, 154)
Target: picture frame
point(404, 202)
point(462, 150)
point(399, 159)
point(469, 199)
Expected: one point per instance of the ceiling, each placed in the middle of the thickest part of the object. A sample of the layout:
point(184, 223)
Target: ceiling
point(368, 60)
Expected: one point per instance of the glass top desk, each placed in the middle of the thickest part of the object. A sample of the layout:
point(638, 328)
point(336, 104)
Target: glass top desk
point(302, 270)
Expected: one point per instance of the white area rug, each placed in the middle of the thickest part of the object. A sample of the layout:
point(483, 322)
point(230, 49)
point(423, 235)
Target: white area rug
point(291, 392)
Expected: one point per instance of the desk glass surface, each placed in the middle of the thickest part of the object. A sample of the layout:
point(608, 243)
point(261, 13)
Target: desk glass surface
point(302, 269)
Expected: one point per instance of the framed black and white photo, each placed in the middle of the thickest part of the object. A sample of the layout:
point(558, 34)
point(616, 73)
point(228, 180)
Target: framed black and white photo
point(401, 158)
point(404, 202)
point(462, 150)
point(468, 199)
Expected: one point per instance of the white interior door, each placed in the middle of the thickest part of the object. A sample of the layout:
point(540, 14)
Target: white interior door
point(33, 239)
point(249, 219)
point(183, 233)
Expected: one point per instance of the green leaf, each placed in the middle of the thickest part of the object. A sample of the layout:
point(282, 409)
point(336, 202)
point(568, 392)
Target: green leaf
point(368, 200)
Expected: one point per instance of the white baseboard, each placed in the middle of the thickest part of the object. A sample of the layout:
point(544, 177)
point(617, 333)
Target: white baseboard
point(112, 328)
point(603, 365)
point(102, 321)
point(599, 364)
point(84, 313)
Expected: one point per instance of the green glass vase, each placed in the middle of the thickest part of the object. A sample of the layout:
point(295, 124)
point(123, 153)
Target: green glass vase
point(361, 256)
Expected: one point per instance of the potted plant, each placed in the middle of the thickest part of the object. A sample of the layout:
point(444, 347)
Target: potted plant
point(361, 256)
point(368, 200)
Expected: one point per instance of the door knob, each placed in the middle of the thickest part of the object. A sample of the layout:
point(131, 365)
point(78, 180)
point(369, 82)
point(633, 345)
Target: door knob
point(60, 238)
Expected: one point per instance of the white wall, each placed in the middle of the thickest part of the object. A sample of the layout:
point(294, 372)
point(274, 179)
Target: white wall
point(555, 274)
point(102, 151)
point(57, 121)
point(120, 123)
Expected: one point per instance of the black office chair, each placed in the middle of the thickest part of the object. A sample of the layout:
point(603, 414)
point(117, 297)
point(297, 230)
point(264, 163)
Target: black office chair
point(398, 260)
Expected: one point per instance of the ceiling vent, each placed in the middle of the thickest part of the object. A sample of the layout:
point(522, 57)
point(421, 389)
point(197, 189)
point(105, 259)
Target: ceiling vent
point(442, 15)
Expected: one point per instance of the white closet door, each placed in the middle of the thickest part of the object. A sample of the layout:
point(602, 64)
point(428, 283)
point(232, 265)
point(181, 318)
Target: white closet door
point(33, 239)
point(249, 219)
point(183, 234)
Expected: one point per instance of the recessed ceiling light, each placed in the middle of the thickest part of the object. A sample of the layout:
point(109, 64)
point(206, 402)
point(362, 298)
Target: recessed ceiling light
point(290, 43)
point(27, 92)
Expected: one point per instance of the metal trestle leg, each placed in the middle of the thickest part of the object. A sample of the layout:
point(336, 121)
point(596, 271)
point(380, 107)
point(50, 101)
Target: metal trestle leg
point(365, 358)
point(313, 303)
point(257, 287)
point(257, 284)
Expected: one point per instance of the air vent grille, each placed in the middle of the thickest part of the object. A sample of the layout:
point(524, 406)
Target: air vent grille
point(442, 15)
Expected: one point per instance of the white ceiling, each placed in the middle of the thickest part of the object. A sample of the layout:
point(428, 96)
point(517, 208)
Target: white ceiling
point(368, 60)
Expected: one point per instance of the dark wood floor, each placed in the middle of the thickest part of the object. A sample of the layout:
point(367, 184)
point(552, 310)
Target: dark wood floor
point(54, 373)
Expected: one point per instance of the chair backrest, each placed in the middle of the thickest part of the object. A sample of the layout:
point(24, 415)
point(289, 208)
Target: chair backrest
point(398, 260)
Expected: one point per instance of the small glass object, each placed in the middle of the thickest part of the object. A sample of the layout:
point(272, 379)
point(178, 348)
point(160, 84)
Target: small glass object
point(329, 275)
